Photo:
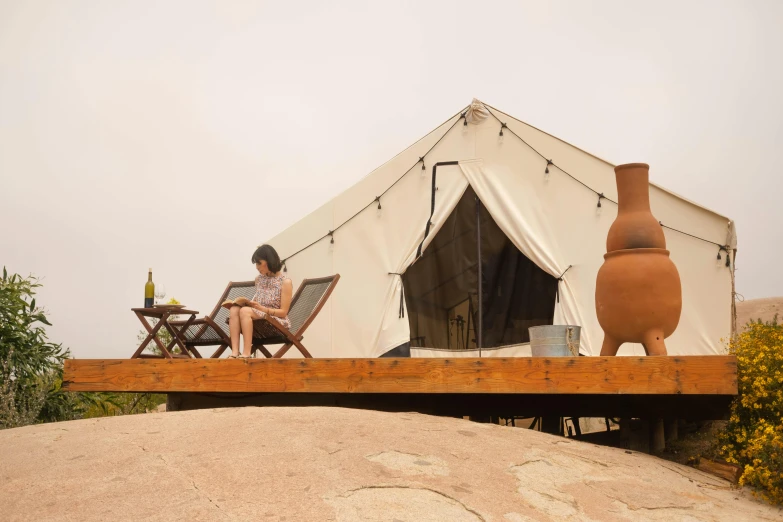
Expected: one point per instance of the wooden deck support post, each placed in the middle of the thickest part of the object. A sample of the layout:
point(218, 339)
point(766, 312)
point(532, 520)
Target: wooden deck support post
point(553, 425)
point(173, 401)
point(625, 433)
point(657, 439)
point(635, 434)
point(670, 429)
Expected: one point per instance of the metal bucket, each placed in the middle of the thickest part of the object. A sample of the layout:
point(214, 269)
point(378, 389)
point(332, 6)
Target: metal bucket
point(558, 340)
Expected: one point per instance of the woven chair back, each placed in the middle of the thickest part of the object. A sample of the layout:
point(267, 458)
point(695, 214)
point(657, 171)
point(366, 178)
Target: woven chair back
point(311, 293)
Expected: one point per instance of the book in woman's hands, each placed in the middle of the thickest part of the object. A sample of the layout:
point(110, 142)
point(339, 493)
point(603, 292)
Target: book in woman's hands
point(239, 301)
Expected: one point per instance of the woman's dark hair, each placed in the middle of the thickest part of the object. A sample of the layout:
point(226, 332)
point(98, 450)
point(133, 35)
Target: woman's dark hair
point(268, 254)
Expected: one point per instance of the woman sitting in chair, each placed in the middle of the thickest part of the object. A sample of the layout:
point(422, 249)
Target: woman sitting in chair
point(271, 302)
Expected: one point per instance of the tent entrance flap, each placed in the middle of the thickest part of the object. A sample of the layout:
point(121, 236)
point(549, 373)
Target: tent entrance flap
point(442, 286)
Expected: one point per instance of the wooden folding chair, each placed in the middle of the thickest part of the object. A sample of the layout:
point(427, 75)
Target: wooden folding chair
point(213, 330)
point(305, 305)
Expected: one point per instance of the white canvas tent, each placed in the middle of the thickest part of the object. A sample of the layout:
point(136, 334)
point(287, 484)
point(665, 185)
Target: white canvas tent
point(552, 221)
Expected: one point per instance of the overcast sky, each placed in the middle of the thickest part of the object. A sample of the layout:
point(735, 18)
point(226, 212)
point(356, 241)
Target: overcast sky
point(178, 135)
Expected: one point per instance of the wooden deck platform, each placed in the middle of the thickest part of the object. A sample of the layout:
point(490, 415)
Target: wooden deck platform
point(675, 386)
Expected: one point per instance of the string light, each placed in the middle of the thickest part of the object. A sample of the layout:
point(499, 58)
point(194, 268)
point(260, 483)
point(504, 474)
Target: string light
point(549, 162)
point(719, 258)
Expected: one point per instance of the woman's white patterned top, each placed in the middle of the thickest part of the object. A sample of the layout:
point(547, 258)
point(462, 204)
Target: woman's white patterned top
point(269, 291)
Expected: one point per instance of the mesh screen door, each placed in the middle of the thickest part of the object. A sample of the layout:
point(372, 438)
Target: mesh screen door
point(441, 287)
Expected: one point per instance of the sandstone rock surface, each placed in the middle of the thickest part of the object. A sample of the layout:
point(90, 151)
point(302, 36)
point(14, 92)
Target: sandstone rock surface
point(338, 464)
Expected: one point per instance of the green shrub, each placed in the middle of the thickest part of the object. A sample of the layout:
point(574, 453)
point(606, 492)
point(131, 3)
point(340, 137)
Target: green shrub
point(754, 434)
point(109, 404)
point(30, 365)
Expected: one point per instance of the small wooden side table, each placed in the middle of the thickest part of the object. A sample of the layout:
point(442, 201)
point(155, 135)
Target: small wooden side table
point(162, 314)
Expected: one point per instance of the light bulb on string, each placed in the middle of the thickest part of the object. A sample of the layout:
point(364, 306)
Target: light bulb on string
point(500, 134)
point(719, 258)
point(331, 241)
point(728, 259)
point(598, 206)
point(378, 199)
point(285, 268)
point(546, 169)
point(423, 167)
point(464, 123)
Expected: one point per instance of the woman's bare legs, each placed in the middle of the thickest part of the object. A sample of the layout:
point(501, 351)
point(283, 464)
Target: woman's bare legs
point(233, 328)
point(246, 315)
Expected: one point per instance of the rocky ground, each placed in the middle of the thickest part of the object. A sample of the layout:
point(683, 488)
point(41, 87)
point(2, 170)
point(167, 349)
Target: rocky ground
point(755, 309)
point(339, 464)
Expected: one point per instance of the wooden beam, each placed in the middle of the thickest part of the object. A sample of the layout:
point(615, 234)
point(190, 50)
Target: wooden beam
point(480, 405)
point(699, 375)
point(730, 472)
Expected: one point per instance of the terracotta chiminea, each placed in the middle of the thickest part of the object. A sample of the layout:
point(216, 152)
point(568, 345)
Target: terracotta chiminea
point(638, 297)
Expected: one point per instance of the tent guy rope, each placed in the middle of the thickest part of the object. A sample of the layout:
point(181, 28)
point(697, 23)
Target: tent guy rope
point(378, 198)
point(600, 195)
point(503, 126)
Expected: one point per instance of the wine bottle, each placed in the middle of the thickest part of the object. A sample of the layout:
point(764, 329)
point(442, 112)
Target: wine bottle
point(149, 292)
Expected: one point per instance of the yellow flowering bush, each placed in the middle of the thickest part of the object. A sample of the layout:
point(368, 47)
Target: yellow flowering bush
point(753, 437)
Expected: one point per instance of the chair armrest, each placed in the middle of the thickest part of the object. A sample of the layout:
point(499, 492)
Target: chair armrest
point(181, 323)
point(202, 323)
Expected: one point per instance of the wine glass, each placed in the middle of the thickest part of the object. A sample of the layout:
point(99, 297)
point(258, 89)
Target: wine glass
point(160, 293)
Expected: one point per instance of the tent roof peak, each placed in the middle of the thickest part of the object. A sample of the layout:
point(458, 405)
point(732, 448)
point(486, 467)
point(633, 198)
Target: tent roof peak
point(476, 112)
